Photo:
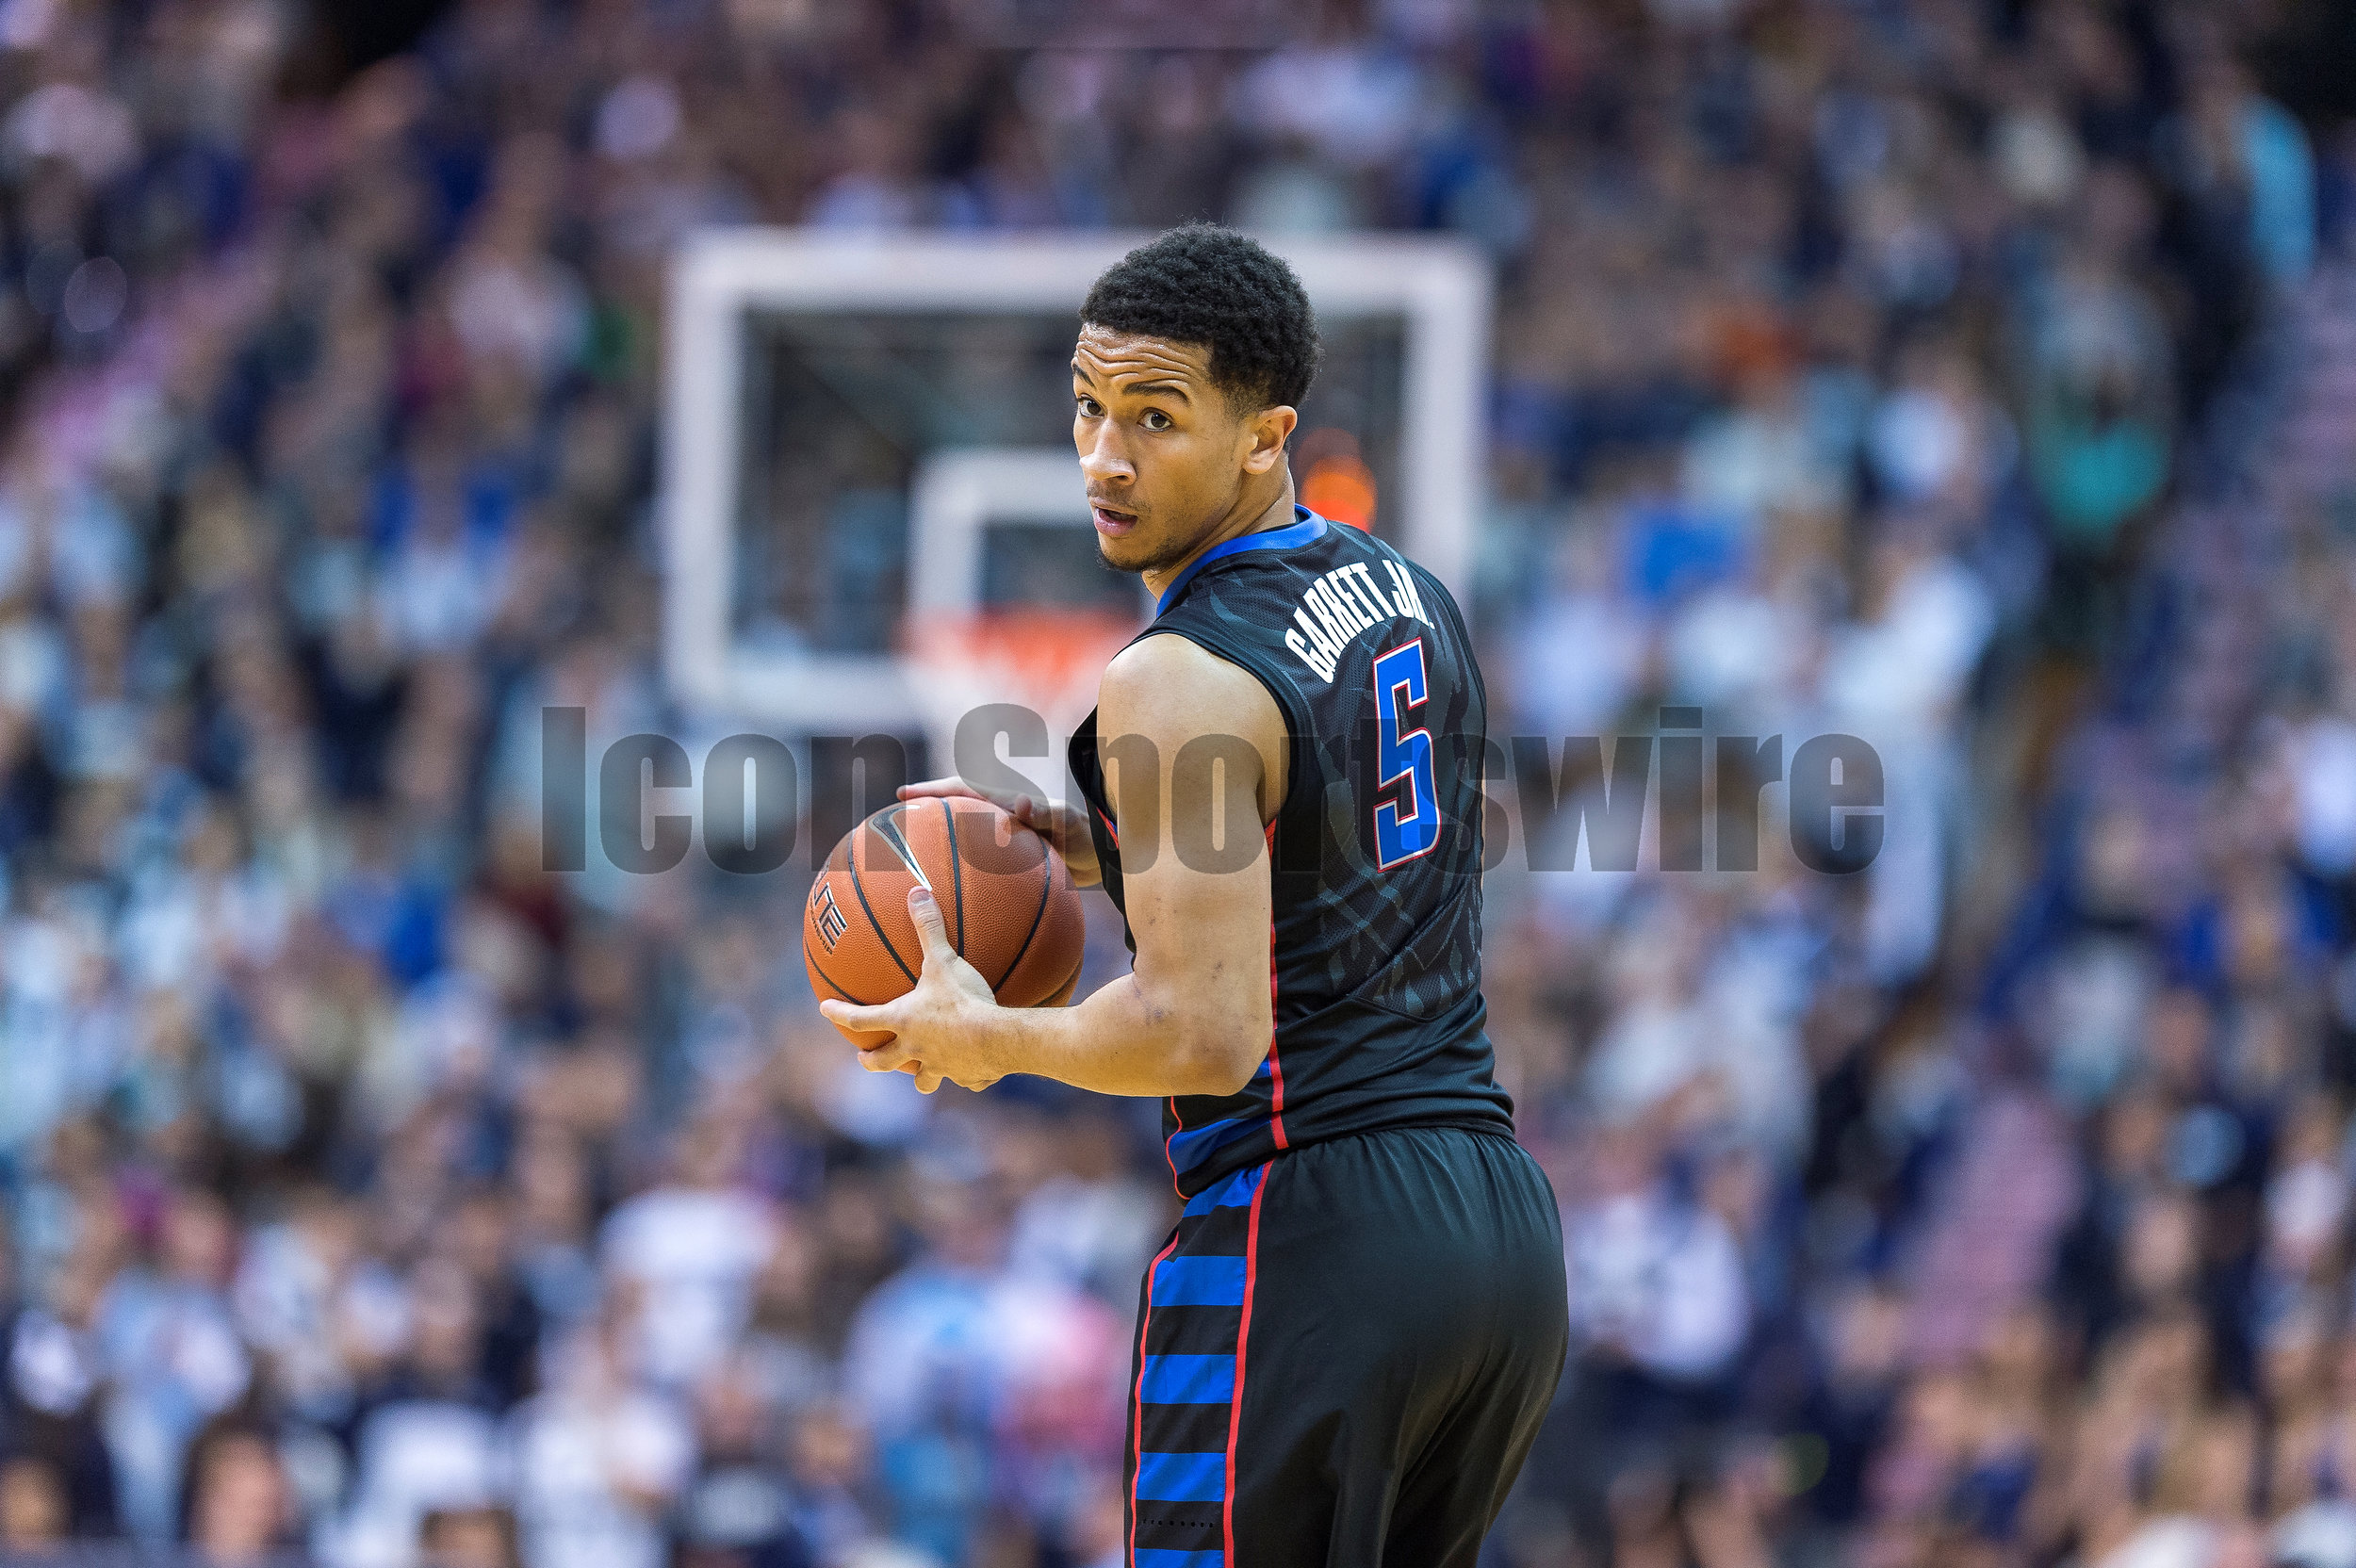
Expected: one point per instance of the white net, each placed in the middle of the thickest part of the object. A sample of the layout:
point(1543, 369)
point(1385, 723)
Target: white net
point(1046, 661)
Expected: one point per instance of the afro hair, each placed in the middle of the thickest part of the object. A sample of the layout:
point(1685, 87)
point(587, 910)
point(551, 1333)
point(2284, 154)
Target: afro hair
point(1209, 284)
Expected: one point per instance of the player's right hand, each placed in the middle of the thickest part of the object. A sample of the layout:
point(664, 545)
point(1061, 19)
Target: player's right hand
point(938, 1031)
point(1060, 823)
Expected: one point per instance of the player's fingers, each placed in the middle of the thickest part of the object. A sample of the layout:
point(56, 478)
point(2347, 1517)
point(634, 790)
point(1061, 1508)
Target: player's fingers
point(927, 1081)
point(930, 787)
point(1021, 807)
point(930, 928)
point(890, 1056)
point(851, 1016)
point(1067, 825)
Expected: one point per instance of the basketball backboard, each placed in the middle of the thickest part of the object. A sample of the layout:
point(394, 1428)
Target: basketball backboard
point(863, 431)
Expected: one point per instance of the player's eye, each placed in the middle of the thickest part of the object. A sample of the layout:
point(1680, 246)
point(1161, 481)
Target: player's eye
point(1155, 419)
point(1089, 408)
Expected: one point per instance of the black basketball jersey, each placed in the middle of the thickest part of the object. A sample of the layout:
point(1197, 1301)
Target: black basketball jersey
point(1375, 851)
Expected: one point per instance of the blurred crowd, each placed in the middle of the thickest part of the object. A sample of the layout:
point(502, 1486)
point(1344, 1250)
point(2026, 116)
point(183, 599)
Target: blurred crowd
point(1976, 378)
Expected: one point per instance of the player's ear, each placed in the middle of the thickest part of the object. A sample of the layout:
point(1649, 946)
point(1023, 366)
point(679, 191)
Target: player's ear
point(1270, 428)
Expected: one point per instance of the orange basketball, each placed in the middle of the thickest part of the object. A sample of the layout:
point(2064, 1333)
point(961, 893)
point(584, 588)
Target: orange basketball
point(1005, 894)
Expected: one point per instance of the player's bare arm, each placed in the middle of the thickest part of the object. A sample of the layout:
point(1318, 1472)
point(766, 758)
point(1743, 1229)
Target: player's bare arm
point(1193, 1015)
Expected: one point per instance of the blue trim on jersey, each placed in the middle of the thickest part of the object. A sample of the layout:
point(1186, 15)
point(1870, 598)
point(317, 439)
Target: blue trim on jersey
point(1187, 1380)
point(1148, 1558)
point(1205, 1282)
point(1189, 1146)
point(1182, 1478)
point(1310, 526)
point(1234, 1193)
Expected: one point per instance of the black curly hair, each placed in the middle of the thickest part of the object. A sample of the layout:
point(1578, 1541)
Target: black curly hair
point(1209, 284)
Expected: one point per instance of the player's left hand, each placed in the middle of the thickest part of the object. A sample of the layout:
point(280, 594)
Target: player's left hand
point(1060, 823)
point(935, 1033)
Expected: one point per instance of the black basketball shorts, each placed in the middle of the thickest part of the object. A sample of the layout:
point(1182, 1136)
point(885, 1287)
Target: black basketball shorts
point(1344, 1354)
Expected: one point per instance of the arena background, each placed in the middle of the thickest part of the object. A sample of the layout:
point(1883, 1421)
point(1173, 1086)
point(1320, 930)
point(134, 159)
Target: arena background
point(1977, 373)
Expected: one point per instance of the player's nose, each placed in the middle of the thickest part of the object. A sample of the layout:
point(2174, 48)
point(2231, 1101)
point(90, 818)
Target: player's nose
point(1102, 462)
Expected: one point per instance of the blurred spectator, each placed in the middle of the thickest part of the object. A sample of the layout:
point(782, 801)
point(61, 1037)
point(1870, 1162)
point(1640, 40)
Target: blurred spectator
point(690, 1251)
point(1091, 1224)
point(50, 1404)
point(467, 1538)
point(428, 1437)
point(241, 1512)
point(738, 1508)
point(599, 1462)
point(1660, 1313)
point(176, 1362)
point(33, 1514)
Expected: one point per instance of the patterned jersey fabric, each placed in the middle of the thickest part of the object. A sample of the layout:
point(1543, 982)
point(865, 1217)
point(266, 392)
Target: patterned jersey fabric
point(1375, 947)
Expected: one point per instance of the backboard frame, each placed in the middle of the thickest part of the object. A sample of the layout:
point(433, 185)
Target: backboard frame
point(958, 492)
point(1439, 287)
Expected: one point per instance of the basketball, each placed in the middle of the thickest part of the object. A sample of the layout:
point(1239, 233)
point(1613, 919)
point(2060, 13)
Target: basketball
point(1005, 896)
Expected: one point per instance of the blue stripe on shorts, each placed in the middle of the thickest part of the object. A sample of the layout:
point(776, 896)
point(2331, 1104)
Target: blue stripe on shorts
point(1187, 1380)
point(1212, 1282)
point(1182, 1478)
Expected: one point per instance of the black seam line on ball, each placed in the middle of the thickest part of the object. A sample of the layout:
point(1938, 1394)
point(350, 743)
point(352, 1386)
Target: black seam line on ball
point(1046, 890)
point(861, 888)
point(830, 981)
point(956, 870)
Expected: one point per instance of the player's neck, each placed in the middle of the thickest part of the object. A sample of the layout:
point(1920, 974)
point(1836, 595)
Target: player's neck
point(1243, 521)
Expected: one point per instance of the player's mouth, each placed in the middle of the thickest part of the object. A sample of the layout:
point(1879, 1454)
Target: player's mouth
point(1111, 520)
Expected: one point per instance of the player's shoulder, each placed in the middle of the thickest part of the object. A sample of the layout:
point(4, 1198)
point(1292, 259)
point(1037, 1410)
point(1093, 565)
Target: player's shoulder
point(1166, 664)
point(1168, 676)
point(1155, 657)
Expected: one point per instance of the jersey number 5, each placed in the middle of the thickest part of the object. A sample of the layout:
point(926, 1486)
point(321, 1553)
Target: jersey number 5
point(1409, 824)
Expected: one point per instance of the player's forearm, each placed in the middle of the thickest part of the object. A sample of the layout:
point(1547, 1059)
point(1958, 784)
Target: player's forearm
point(1136, 1038)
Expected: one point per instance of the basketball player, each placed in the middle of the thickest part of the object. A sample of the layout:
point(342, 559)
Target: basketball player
point(1346, 1346)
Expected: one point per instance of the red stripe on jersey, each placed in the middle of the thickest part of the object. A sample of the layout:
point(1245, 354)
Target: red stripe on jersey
point(1137, 1394)
point(1243, 1338)
point(1275, 1063)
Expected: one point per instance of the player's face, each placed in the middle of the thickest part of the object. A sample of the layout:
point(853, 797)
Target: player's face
point(1166, 460)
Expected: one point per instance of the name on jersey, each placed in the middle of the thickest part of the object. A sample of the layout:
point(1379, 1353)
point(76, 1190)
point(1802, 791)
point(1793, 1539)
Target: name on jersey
point(1344, 603)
